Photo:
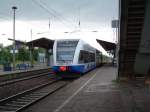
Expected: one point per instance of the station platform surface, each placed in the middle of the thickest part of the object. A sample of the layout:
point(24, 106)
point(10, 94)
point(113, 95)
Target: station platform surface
point(97, 91)
point(36, 67)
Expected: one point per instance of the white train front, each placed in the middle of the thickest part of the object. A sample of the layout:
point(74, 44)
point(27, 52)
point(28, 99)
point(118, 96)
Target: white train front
point(73, 56)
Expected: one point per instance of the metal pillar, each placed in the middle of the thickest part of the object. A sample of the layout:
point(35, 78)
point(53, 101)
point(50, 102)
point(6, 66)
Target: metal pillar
point(14, 43)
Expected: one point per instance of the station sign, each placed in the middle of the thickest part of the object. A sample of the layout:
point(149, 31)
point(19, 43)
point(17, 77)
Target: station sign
point(115, 23)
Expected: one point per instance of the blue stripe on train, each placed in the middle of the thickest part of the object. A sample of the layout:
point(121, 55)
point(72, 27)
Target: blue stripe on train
point(90, 67)
point(75, 68)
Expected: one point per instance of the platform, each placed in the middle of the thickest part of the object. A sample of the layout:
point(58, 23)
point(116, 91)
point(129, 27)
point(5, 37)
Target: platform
point(36, 67)
point(97, 91)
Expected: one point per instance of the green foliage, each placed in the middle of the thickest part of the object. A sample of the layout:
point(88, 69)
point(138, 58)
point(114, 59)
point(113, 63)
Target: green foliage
point(35, 55)
point(23, 55)
point(36, 51)
point(5, 56)
point(41, 50)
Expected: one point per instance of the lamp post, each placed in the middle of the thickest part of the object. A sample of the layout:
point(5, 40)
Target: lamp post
point(14, 43)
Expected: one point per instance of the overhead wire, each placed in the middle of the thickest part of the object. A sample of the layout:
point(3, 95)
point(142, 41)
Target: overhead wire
point(41, 5)
point(50, 11)
point(56, 13)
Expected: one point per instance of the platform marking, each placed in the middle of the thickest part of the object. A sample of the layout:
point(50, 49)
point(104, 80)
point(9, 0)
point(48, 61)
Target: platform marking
point(73, 95)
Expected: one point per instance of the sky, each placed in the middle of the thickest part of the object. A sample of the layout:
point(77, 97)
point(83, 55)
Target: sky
point(63, 16)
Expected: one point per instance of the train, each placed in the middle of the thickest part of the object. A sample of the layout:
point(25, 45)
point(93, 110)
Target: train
point(73, 57)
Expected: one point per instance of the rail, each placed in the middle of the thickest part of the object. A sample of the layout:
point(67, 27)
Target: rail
point(24, 99)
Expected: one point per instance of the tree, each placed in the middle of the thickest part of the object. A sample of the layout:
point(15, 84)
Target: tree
point(6, 56)
point(23, 55)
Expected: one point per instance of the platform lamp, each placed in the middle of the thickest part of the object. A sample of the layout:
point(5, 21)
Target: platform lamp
point(14, 8)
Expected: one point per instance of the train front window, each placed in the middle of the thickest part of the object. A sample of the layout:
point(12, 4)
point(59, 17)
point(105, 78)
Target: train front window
point(65, 50)
point(67, 44)
point(65, 55)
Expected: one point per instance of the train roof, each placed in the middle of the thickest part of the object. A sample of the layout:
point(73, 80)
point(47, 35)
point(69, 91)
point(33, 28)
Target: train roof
point(66, 39)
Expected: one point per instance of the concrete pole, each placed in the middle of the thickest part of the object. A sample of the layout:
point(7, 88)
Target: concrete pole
point(14, 42)
point(31, 51)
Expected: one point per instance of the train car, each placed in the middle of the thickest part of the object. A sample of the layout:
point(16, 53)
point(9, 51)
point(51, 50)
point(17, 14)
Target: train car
point(73, 56)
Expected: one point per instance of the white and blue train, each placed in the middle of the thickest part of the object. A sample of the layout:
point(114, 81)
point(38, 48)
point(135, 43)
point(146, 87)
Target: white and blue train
point(74, 56)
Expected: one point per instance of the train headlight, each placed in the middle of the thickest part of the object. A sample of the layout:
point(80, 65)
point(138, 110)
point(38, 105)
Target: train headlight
point(63, 68)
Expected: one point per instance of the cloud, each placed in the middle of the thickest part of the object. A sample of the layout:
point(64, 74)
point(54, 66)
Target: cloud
point(90, 10)
point(64, 15)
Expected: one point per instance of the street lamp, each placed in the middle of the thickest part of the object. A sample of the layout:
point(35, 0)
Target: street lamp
point(14, 43)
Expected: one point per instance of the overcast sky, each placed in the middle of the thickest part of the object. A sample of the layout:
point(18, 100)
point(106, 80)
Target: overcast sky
point(64, 16)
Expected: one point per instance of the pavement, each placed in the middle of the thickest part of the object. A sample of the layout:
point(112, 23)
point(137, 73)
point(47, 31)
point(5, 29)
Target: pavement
point(97, 91)
point(36, 67)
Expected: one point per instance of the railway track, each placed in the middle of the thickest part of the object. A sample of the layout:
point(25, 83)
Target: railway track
point(36, 75)
point(11, 87)
point(24, 99)
point(15, 76)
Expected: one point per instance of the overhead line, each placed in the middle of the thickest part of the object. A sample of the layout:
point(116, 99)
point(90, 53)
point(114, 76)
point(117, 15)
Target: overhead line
point(47, 10)
point(57, 13)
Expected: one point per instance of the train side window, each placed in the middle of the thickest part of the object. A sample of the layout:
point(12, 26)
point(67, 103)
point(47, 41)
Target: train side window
point(85, 57)
point(81, 57)
point(92, 57)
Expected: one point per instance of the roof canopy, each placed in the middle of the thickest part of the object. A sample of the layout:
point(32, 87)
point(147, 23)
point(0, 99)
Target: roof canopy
point(108, 46)
point(18, 41)
point(42, 42)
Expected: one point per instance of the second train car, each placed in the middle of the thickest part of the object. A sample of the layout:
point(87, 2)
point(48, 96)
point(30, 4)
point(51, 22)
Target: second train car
point(73, 57)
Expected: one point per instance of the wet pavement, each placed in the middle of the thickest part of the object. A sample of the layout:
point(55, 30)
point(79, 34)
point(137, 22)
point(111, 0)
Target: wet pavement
point(135, 96)
point(97, 91)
